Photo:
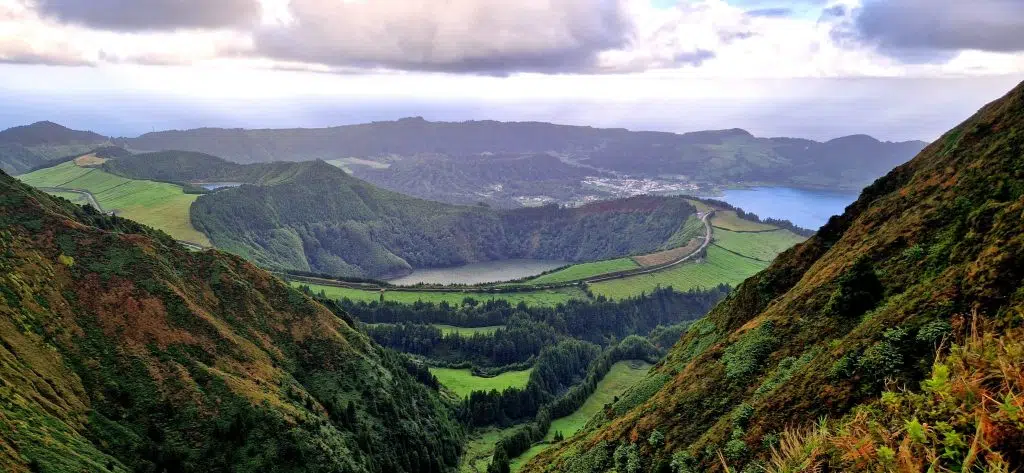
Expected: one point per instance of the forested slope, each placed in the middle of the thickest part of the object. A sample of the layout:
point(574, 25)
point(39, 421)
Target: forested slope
point(122, 351)
point(930, 255)
point(315, 217)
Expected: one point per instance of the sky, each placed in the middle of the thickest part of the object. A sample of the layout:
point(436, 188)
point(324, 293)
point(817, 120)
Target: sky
point(895, 69)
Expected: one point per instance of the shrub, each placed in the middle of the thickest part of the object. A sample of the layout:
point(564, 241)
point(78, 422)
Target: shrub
point(746, 357)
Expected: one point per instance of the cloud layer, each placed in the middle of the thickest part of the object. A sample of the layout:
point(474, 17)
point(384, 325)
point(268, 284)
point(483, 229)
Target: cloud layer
point(916, 28)
point(492, 37)
point(692, 38)
point(153, 15)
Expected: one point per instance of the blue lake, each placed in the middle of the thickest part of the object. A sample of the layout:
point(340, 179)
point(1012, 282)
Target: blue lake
point(806, 208)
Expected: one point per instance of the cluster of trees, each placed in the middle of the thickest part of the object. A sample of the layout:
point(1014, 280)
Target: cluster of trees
point(518, 341)
point(558, 367)
point(600, 321)
point(511, 446)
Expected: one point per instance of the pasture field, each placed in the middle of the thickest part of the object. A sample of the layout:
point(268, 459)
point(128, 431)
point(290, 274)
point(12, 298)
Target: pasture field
point(467, 331)
point(462, 381)
point(480, 448)
point(621, 376)
point(764, 246)
point(719, 267)
point(585, 270)
point(728, 220)
point(548, 297)
point(157, 204)
point(668, 256)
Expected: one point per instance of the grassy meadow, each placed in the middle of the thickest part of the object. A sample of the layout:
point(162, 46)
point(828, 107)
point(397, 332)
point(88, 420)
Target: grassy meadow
point(157, 204)
point(728, 220)
point(720, 267)
point(463, 382)
point(467, 331)
point(764, 246)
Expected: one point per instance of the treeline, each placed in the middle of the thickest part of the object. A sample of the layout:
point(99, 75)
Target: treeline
point(557, 368)
point(600, 321)
point(518, 341)
point(513, 445)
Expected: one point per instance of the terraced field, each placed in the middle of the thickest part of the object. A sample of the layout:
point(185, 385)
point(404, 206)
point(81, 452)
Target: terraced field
point(621, 376)
point(728, 220)
point(719, 267)
point(548, 297)
point(463, 382)
point(157, 204)
point(764, 246)
point(585, 270)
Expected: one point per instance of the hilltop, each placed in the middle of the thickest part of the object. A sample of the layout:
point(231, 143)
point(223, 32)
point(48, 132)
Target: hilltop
point(312, 216)
point(122, 351)
point(26, 147)
point(846, 327)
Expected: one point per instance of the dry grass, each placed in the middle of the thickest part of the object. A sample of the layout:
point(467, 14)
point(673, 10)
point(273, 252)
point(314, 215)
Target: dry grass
point(89, 160)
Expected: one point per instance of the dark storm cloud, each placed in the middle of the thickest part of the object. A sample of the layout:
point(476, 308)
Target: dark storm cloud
point(464, 36)
point(923, 30)
point(153, 15)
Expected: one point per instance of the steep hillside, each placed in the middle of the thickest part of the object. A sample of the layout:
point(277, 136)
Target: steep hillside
point(121, 351)
point(315, 217)
point(719, 156)
point(859, 308)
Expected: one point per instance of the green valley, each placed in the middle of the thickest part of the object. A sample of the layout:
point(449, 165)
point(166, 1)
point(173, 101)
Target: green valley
point(462, 382)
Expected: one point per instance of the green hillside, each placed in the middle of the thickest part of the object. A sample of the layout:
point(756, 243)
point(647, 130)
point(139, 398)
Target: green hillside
point(312, 216)
point(889, 341)
point(120, 351)
point(157, 204)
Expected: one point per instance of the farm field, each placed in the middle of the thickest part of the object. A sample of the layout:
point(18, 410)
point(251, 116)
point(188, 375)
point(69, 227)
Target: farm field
point(764, 246)
point(621, 376)
point(585, 270)
point(668, 256)
point(719, 267)
point(728, 220)
point(549, 297)
point(157, 204)
point(462, 381)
